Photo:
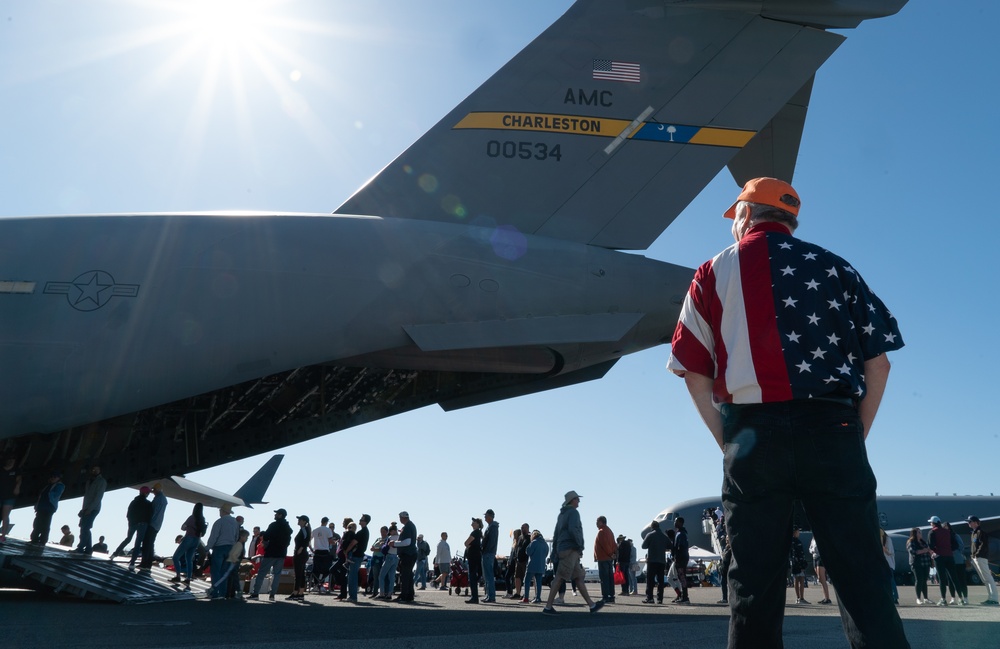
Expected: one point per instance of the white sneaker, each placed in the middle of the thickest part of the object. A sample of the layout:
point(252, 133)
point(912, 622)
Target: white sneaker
point(920, 601)
point(941, 602)
point(952, 601)
point(559, 600)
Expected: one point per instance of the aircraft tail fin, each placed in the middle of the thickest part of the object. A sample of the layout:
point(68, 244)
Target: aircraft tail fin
point(252, 493)
point(607, 125)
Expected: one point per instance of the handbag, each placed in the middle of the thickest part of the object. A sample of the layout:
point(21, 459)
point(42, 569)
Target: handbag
point(619, 576)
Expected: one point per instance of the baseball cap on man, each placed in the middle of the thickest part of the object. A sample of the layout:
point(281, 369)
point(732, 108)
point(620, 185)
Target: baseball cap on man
point(767, 191)
point(972, 519)
point(934, 519)
point(282, 512)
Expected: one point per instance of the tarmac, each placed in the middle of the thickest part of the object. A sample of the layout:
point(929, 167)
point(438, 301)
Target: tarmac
point(438, 620)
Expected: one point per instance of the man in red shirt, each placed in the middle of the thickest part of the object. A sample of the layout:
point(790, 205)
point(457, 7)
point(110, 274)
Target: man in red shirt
point(605, 549)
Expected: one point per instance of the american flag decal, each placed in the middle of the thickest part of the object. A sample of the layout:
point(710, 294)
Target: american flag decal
point(608, 70)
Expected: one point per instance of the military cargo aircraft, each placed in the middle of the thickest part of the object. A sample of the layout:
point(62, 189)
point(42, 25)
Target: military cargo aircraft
point(897, 516)
point(487, 261)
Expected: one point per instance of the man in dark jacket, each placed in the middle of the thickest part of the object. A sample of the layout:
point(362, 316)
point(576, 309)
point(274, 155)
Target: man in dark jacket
point(139, 511)
point(655, 544)
point(980, 560)
point(490, 537)
point(277, 537)
point(45, 507)
point(406, 548)
point(681, 556)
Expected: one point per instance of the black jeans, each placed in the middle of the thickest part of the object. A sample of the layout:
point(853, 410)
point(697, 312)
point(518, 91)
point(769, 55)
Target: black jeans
point(724, 573)
point(475, 566)
point(40, 527)
point(947, 577)
point(654, 572)
point(920, 574)
point(406, 563)
point(812, 451)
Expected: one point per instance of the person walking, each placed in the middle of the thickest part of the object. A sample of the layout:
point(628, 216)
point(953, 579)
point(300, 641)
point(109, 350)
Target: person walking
point(568, 546)
point(782, 347)
point(137, 515)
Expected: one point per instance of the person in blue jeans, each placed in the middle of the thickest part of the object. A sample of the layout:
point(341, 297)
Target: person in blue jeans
point(387, 575)
point(194, 528)
point(420, 572)
point(538, 551)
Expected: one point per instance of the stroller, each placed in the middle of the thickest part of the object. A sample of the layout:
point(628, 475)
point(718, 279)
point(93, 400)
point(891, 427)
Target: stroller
point(459, 577)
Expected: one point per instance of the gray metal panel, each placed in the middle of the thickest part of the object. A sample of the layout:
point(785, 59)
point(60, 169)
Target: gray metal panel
point(775, 149)
point(62, 571)
point(597, 327)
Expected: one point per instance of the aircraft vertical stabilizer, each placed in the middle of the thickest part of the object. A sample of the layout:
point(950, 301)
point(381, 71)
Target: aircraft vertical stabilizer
point(605, 127)
point(252, 493)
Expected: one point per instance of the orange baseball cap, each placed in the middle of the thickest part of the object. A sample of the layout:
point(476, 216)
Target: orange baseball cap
point(767, 191)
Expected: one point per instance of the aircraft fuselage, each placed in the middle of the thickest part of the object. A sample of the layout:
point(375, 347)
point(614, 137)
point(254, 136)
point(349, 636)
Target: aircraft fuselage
point(106, 315)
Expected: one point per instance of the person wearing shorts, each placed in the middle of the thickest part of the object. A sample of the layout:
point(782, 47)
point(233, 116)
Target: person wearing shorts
point(567, 544)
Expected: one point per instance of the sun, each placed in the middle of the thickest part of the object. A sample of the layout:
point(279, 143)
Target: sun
point(229, 25)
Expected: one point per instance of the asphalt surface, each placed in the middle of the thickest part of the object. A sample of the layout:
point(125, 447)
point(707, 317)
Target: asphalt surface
point(437, 621)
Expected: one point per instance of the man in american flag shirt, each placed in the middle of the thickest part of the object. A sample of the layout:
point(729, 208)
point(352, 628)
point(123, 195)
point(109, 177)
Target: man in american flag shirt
point(783, 347)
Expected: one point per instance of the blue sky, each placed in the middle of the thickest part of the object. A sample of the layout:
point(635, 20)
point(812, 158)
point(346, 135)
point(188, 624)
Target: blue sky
point(144, 106)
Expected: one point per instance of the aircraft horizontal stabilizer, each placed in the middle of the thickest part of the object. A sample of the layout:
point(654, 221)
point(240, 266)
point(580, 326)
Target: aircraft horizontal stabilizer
point(598, 327)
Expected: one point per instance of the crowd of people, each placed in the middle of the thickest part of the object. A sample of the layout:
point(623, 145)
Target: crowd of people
point(327, 562)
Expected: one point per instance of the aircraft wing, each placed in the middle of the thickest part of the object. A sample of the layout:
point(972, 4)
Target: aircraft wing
point(606, 143)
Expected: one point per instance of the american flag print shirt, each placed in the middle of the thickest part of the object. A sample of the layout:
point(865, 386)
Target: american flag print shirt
point(774, 318)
